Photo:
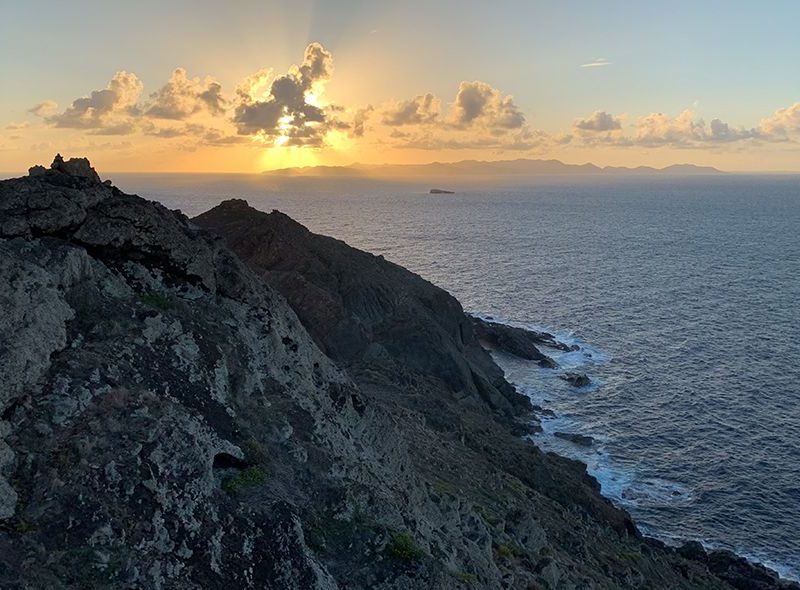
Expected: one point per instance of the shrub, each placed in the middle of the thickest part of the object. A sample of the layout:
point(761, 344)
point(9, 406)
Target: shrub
point(402, 546)
point(508, 550)
point(155, 300)
point(466, 578)
point(252, 476)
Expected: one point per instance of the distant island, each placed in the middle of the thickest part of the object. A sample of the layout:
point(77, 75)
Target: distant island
point(481, 170)
point(441, 191)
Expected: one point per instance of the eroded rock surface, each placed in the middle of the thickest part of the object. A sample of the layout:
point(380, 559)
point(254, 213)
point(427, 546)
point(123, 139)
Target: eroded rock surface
point(167, 422)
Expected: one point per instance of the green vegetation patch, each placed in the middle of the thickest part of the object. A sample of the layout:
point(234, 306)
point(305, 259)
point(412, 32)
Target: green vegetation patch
point(466, 578)
point(24, 527)
point(487, 517)
point(402, 546)
point(509, 551)
point(155, 300)
point(631, 556)
point(247, 478)
point(254, 451)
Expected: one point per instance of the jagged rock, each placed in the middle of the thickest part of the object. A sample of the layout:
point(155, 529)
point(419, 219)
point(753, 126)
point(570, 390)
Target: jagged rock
point(735, 570)
point(578, 439)
point(515, 341)
point(50, 200)
point(78, 168)
point(576, 379)
point(742, 574)
point(693, 550)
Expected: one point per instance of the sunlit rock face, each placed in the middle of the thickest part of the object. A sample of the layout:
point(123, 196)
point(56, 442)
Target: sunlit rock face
point(167, 421)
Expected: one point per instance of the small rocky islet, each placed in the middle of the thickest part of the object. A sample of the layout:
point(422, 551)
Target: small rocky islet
point(233, 401)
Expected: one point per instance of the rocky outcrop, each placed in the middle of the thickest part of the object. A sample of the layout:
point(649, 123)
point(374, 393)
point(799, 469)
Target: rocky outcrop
point(139, 354)
point(579, 439)
point(518, 342)
point(362, 310)
point(167, 421)
point(576, 379)
point(735, 570)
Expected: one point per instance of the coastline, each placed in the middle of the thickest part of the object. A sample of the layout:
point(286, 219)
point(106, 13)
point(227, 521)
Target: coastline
point(614, 480)
point(234, 399)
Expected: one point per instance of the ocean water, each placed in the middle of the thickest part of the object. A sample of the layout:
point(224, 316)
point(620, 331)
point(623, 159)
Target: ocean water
point(684, 294)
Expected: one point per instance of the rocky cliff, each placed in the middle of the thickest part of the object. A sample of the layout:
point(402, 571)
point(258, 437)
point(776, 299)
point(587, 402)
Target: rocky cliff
point(270, 409)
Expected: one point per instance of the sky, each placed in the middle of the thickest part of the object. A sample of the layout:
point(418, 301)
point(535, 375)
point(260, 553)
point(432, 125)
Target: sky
point(246, 86)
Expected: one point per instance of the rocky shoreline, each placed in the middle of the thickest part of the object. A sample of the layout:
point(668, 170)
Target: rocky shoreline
point(522, 343)
point(234, 401)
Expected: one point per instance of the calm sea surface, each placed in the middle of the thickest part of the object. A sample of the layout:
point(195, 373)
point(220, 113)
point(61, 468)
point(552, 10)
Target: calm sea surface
point(684, 293)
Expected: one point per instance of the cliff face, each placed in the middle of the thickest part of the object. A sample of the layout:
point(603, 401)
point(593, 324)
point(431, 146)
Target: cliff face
point(363, 311)
point(167, 421)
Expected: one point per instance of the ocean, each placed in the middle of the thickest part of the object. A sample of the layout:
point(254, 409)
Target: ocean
point(683, 293)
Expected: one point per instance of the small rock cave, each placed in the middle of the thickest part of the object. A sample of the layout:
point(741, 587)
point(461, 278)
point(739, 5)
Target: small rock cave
point(228, 461)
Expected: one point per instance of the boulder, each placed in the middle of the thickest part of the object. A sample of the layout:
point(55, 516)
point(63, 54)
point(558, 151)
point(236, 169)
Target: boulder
point(579, 439)
point(576, 379)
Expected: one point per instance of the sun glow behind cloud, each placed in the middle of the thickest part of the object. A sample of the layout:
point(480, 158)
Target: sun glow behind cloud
point(277, 120)
point(274, 158)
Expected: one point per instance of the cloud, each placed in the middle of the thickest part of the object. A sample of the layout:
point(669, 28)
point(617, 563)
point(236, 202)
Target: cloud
point(522, 140)
point(287, 115)
point(722, 132)
point(660, 129)
point(654, 130)
point(95, 111)
point(284, 110)
point(255, 86)
point(480, 117)
point(360, 121)
point(477, 103)
point(44, 108)
point(182, 97)
point(317, 66)
point(599, 62)
point(289, 110)
point(198, 134)
point(216, 137)
point(126, 127)
point(686, 130)
point(419, 110)
point(438, 138)
point(169, 132)
point(782, 124)
point(600, 121)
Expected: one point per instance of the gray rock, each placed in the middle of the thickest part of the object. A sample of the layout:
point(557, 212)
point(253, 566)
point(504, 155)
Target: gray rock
point(578, 439)
point(576, 379)
point(516, 341)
